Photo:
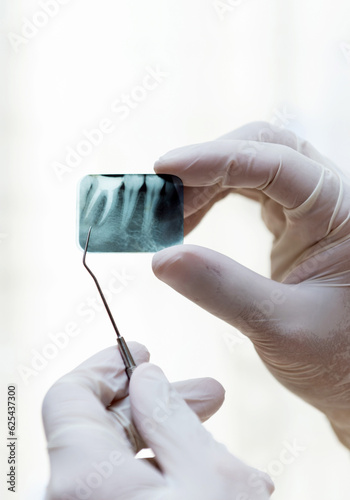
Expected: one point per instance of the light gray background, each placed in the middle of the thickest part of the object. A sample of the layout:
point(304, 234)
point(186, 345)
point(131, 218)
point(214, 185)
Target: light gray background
point(284, 62)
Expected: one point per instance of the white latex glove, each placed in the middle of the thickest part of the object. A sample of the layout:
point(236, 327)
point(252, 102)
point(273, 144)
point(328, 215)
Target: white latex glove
point(85, 417)
point(299, 321)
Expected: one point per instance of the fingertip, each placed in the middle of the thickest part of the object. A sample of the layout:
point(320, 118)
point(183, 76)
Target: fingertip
point(162, 165)
point(204, 395)
point(147, 381)
point(174, 159)
point(139, 351)
point(214, 387)
point(215, 394)
point(165, 258)
point(158, 165)
point(147, 371)
point(189, 269)
point(184, 254)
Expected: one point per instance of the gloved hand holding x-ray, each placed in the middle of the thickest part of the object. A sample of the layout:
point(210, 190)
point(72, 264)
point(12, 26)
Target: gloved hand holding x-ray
point(299, 321)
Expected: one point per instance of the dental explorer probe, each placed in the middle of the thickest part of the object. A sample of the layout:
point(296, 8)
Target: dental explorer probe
point(124, 350)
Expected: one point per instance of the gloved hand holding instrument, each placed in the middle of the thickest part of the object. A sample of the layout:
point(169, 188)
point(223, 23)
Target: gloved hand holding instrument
point(95, 423)
point(87, 412)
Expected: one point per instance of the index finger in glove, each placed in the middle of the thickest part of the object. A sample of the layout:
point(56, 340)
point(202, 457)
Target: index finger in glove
point(167, 424)
point(83, 394)
point(186, 452)
point(283, 174)
point(203, 395)
point(266, 132)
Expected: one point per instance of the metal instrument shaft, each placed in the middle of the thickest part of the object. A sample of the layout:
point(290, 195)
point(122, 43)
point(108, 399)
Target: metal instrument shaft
point(128, 360)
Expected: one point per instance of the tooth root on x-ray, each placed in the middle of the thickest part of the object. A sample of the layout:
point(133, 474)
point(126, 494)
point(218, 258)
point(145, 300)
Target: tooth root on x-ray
point(132, 184)
point(107, 186)
point(130, 213)
point(154, 186)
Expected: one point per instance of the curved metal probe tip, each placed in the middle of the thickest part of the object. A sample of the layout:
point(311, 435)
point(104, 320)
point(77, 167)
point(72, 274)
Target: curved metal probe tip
point(97, 284)
point(124, 350)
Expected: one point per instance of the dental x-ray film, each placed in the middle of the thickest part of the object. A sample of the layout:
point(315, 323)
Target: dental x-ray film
point(130, 213)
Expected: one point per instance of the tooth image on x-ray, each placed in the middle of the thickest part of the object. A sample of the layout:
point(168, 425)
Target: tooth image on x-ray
point(130, 213)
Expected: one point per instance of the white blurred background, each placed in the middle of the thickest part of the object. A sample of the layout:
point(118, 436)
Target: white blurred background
point(218, 68)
